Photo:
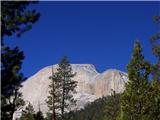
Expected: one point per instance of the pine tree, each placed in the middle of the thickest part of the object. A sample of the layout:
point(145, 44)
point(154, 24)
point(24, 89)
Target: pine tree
point(134, 99)
point(15, 18)
point(68, 85)
point(54, 99)
point(154, 94)
point(28, 113)
point(61, 89)
point(11, 82)
point(155, 85)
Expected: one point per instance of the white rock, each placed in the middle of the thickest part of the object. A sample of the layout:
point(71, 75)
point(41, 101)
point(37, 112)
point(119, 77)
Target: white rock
point(91, 85)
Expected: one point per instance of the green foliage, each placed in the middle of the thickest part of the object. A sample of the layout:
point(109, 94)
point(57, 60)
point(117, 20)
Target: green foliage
point(65, 74)
point(154, 102)
point(112, 107)
point(134, 99)
point(154, 99)
point(16, 18)
point(28, 113)
point(141, 100)
point(100, 109)
point(92, 111)
point(11, 98)
point(54, 99)
point(155, 40)
point(61, 88)
point(48, 116)
point(11, 64)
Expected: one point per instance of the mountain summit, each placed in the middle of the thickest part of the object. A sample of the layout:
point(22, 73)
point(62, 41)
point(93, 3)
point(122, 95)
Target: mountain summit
point(91, 85)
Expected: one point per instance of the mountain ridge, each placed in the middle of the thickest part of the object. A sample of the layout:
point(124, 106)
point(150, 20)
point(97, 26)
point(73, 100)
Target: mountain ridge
point(91, 85)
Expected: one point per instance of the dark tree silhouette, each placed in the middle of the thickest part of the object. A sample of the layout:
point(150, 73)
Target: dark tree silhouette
point(15, 19)
point(11, 81)
point(62, 88)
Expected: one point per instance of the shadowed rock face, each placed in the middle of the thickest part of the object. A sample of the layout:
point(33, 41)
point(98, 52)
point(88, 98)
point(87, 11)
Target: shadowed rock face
point(91, 85)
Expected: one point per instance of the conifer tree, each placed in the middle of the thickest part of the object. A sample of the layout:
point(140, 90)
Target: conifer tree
point(68, 85)
point(11, 98)
point(61, 91)
point(154, 94)
point(54, 99)
point(155, 85)
point(134, 99)
point(15, 19)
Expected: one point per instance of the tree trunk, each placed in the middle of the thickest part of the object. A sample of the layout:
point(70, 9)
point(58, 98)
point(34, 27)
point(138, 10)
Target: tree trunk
point(53, 102)
point(53, 115)
point(63, 95)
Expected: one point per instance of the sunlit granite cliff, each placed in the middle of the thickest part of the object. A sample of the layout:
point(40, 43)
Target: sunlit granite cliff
point(91, 85)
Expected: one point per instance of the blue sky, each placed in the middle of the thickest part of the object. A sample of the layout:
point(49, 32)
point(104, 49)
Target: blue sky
point(99, 33)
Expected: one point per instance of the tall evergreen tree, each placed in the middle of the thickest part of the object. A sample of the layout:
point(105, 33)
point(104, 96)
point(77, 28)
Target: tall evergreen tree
point(68, 85)
point(54, 99)
point(134, 99)
point(61, 91)
point(15, 18)
point(11, 98)
point(155, 85)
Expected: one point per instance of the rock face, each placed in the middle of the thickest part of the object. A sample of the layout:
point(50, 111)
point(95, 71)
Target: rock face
point(91, 85)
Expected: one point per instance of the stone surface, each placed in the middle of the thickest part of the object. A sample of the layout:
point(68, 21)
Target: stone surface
point(91, 85)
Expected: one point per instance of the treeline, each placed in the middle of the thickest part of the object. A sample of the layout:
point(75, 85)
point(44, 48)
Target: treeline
point(105, 108)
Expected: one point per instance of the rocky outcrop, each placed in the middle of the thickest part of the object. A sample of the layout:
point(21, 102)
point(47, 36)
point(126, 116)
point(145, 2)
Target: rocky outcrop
point(91, 85)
